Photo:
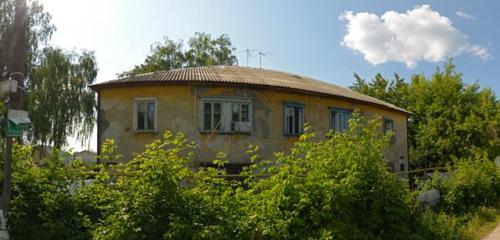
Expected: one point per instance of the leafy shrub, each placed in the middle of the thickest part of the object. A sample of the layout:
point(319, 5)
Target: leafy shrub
point(334, 188)
point(338, 187)
point(43, 205)
point(471, 183)
point(482, 222)
point(440, 225)
point(470, 192)
point(156, 196)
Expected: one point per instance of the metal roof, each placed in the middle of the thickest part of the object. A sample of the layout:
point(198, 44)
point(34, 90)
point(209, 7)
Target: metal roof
point(246, 76)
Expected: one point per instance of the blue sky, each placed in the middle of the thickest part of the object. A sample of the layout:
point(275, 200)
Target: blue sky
point(305, 36)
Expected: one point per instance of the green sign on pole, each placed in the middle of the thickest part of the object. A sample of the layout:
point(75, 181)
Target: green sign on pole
point(15, 128)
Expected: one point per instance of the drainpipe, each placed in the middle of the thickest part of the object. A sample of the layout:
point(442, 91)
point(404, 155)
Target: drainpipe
point(194, 114)
point(99, 122)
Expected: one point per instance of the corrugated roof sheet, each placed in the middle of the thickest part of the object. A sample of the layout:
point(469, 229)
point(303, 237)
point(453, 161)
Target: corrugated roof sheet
point(246, 76)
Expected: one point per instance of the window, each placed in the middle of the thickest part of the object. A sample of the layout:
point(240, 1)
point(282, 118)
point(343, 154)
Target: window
point(145, 115)
point(389, 126)
point(339, 119)
point(212, 116)
point(239, 116)
point(294, 119)
point(226, 115)
point(401, 164)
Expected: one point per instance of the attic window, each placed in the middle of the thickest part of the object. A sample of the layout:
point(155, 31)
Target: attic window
point(226, 115)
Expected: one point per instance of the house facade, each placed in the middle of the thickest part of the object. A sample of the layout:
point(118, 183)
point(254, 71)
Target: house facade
point(227, 108)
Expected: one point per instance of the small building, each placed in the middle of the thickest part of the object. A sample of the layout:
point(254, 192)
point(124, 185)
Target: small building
point(87, 156)
point(40, 152)
point(227, 108)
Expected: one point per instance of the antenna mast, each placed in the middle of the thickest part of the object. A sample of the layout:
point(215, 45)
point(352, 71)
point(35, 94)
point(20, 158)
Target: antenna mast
point(260, 57)
point(250, 53)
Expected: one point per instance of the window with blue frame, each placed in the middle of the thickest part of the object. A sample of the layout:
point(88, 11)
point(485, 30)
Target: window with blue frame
point(293, 119)
point(339, 119)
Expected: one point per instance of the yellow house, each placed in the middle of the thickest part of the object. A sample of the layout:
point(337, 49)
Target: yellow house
point(227, 108)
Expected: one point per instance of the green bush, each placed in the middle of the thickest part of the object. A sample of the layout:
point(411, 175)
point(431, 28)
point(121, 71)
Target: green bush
point(470, 183)
point(156, 195)
point(440, 225)
point(43, 204)
point(337, 187)
point(470, 192)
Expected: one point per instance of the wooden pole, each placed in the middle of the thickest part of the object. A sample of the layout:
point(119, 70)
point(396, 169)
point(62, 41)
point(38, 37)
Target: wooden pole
point(16, 68)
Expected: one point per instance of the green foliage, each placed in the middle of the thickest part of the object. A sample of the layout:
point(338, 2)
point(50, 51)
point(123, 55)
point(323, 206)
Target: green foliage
point(39, 31)
point(149, 192)
point(484, 220)
point(450, 119)
point(202, 51)
point(394, 91)
point(44, 206)
point(58, 98)
point(471, 183)
point(443, 225)
point(337, 187)
point(440, 225)
point(205, 51)
point(333, 188)
point(470, 192)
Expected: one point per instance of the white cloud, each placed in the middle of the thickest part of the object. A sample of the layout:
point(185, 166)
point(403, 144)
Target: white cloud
point(479, 51)
point(420, 34)
point(465, 15)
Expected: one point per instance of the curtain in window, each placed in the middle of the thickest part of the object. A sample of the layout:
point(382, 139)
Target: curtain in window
point(340, 120)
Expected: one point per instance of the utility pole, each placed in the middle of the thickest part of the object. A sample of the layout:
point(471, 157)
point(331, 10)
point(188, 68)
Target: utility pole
point(16, 69)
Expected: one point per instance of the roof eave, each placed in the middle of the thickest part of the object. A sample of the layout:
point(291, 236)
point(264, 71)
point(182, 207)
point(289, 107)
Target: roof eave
point(99, 86)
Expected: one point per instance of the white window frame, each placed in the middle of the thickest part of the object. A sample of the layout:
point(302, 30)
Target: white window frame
point(226, 114)
point(301, 118)
point(342, 111)
point(135, 120)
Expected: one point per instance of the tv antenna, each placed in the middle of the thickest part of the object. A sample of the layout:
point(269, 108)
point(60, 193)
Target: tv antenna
point(263, 54)
point(249, 53)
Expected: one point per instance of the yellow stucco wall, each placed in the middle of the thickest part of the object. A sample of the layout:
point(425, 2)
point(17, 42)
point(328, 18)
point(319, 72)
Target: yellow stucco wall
point(178, 110)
